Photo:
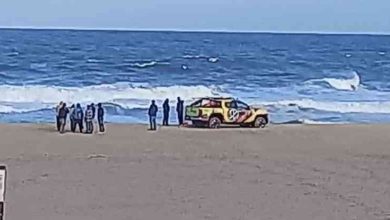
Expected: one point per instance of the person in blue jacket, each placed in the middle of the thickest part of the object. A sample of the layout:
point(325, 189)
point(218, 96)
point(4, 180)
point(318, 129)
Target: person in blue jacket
point(78, 117)
point(153, 109)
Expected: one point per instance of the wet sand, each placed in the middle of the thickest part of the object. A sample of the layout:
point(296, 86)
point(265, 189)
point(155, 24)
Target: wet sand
point(281, 172)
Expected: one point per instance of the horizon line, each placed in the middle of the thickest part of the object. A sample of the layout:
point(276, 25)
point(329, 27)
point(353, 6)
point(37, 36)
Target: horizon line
point(222, 31)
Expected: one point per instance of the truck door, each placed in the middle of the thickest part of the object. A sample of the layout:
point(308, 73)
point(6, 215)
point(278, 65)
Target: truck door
point(230, 112)
point(244, 112)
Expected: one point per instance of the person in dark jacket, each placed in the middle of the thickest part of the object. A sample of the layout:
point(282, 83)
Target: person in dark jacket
point(180, 110)
point(78, 117)
point(100, 117)
point(93, 110)
point(85, 119)
point(153, 109)
point(166, 109)
point(62, 115)
point(93, 115)
point(58, 107)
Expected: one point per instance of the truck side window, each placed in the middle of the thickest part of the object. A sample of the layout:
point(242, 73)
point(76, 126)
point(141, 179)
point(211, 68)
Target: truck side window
point(196, 104)
point(241, 105)
point(233, 104)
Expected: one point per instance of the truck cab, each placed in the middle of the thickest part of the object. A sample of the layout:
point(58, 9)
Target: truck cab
point(213, 112)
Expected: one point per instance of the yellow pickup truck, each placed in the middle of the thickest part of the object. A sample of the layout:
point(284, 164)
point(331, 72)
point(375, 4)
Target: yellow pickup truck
point(213, 112)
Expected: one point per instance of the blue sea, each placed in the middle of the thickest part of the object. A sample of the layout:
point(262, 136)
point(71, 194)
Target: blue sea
point(299, 78)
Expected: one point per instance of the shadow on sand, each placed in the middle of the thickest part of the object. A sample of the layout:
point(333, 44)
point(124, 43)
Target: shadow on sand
point(48, 128)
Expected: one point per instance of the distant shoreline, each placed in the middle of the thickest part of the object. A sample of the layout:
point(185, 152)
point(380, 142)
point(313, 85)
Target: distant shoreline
point(195, 31)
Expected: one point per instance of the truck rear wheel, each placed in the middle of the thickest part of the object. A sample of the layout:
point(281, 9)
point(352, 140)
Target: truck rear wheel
point(214, 122)
point(260, 122)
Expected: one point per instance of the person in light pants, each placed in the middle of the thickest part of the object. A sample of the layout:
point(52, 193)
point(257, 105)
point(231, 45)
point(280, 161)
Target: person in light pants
point(94, 121)
point(89, 120)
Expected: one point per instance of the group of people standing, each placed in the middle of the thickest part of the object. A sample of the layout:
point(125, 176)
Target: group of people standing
point(153, 109)
point(78, 117)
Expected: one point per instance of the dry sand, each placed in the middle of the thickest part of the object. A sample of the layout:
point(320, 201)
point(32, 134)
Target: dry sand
point(281, 172)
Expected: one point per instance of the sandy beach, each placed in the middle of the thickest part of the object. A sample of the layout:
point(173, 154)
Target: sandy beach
point(294, 172)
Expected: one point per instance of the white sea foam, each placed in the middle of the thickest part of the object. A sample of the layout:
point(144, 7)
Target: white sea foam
point(126, 95)
point(193, 56)
point(209, 59)
point(213, 59)
point(38, 65)
point(12, 54)
point(93, 61)
point(144, 65)
point(340, 107)
point(8, 109)
point(315, 122)
point(310, 122)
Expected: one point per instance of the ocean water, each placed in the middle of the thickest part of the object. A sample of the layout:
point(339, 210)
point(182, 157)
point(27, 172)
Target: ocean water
point(299, 78)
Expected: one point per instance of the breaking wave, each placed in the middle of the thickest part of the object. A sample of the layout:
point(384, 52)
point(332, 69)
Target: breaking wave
point(8, 109)
point(342, 83)
point(34, 97)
